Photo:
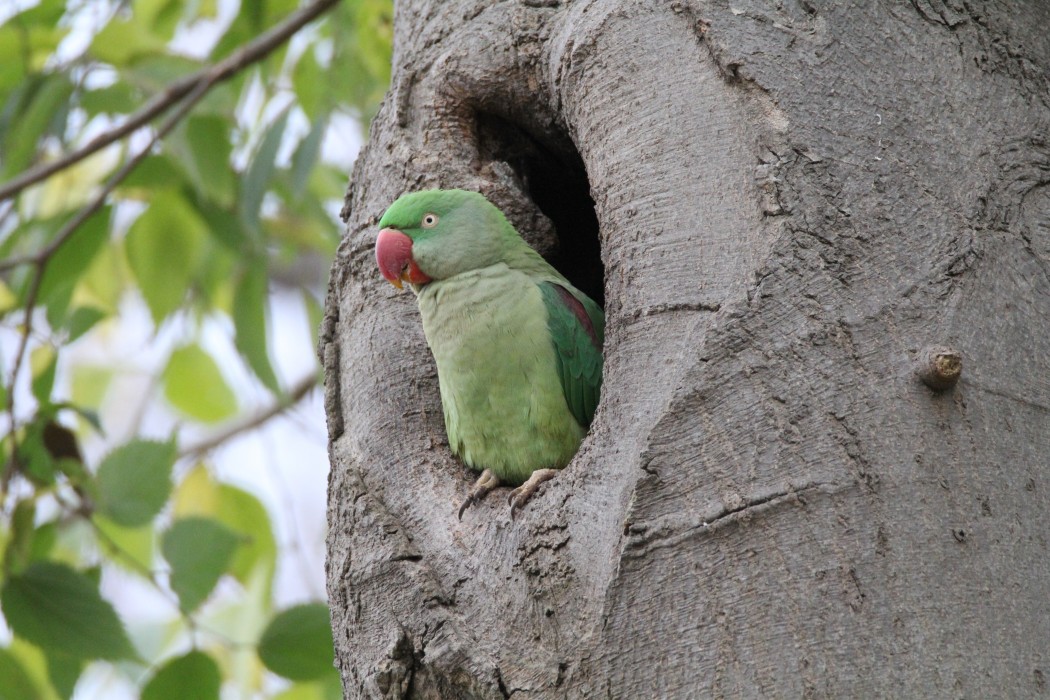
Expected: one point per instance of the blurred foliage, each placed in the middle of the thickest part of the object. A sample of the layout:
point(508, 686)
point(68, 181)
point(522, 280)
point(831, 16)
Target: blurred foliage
point(233, 203)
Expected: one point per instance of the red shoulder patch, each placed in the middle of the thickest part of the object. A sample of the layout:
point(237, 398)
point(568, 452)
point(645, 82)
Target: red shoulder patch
point(576, 306)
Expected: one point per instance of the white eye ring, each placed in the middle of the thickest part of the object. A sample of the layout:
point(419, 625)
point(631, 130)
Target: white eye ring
point(429, 220)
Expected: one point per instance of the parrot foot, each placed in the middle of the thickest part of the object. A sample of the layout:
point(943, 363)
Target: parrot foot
point(521, 495)
point(485, 483)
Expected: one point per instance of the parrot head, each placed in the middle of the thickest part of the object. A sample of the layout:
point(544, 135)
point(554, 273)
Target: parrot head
point(436, 234)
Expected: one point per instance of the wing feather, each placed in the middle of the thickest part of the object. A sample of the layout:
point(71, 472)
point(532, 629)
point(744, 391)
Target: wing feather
point(577, 328)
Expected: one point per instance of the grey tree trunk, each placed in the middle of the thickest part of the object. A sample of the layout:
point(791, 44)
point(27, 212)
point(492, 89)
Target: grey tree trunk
point(783, 204)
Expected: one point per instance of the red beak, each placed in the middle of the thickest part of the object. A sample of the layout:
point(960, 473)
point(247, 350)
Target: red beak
point(394, 257)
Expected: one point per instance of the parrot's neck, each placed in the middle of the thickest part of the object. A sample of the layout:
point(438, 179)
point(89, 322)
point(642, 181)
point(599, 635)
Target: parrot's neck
point(467, 290)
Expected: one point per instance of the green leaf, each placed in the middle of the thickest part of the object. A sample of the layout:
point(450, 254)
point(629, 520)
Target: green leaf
point(82, 320)
point(89, 384)
point(155, 172)
point(362, 34)
point(162, 16)
point(297, 644)
point(34, 662)
point(373, 29)
point(45, 13)
point(257, 177)
point(239, 32)
point(20, 543)
point(194, 385)
point(57, 305)
point(310, 85)
point(153, 73)
point(136, 544)
point(104, 283)
point(71, 188)
point(17, 685)
point(274, 11)
point(64, 671)
point(8, 299)
point(164, 248)
point(206, 153)
point(134, 481)
point(42, 104)
point(225, 227)
point(124, 39)
point(306, 156)
point(328, 687)
point(12, 65)
point(208, 9)
point(249, 322)
point(199, 551)
point(215, 282)
point(194, 675)
point(59, 609)
point(73, 258)
point(118, 98)
point(89, 415)
point(43, 541)
point(198, 494)
point(245, 514)
point(37, 462)
point(252, 19)
point(42, 361)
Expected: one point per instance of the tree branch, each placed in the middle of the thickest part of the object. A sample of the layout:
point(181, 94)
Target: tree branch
point(297, 393)
point(210, 76)
point(41, 259)
point(197, 86)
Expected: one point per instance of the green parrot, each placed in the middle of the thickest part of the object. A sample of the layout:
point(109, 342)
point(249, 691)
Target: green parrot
point(518, 348)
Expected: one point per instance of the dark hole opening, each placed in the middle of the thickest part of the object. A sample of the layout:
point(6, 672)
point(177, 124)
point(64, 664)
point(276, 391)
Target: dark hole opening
point(555, 178)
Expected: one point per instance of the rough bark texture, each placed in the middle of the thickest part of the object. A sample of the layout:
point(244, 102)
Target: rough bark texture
point(794, 200)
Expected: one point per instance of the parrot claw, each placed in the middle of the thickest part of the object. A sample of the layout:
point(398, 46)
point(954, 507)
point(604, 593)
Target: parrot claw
point(485, 483)
point(521, 495)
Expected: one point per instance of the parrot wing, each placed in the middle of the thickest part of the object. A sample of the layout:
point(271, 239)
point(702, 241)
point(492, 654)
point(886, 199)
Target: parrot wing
point(577, 328)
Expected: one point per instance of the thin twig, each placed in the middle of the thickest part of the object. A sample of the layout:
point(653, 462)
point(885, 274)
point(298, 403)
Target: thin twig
point(283, 403)
point(145, 572)
point(203, 81)
point(84, 513)
point(67, 231)
point(211, 75)
point(13, 463)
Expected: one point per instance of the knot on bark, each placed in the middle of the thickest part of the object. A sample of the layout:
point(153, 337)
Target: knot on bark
point(939, 367)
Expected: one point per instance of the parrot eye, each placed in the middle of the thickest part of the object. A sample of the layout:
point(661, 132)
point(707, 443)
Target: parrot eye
point(430, 220)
